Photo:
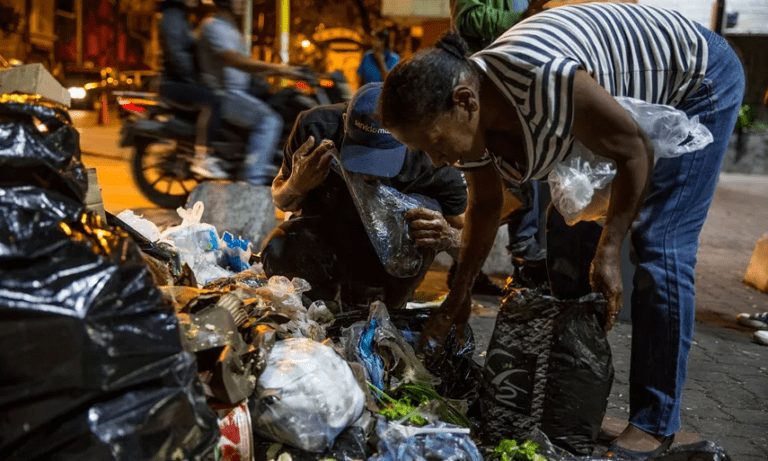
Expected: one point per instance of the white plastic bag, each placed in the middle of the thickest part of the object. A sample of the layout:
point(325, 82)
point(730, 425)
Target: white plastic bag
point(143, 226)
point(580, 184)
point(305, 396)
point(198, 244)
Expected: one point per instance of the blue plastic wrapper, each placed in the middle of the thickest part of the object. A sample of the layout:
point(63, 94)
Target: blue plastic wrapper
point(234, 252)
point(374, 365)
point(396, 444)
point(91, 363)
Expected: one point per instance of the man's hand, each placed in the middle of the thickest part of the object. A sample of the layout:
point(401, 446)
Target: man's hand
point(605, 277)
point(311, 166)
point(428, 228)
point(455, 310)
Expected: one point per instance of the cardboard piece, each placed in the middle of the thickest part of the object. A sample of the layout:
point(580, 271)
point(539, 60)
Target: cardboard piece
point(33, 79)
point(757, 271)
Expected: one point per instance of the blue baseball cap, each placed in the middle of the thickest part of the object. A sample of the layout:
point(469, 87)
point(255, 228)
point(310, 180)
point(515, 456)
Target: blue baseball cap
point(368, 148)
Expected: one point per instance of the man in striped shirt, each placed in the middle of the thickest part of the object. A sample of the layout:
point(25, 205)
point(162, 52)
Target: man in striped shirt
point(512, 111)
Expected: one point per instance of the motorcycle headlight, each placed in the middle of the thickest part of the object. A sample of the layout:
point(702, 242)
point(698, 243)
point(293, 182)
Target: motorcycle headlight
point(76, 92)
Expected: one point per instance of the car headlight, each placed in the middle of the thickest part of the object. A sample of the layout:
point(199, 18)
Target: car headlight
point(77, 92)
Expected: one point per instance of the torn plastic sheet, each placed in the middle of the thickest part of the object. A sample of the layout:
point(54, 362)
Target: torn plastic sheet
point(94, 367)
point(382, 211)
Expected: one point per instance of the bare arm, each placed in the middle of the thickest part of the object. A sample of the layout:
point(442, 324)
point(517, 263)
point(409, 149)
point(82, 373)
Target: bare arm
point(481, 225)
point(240, 61)
point(605, 128)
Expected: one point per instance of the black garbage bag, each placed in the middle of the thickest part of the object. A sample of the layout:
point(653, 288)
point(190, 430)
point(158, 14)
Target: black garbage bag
point(548, 366)
point(699, 451)
point(91, 363)
point(453, 365)
point(39, 146)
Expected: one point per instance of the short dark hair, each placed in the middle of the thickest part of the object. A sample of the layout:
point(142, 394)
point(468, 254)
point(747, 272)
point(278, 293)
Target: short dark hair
point(422, 86)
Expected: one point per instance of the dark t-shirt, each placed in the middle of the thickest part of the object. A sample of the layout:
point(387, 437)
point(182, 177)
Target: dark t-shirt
point(332, 198)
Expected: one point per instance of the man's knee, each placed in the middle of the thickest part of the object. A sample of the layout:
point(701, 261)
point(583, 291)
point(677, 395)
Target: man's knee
point(273, 252)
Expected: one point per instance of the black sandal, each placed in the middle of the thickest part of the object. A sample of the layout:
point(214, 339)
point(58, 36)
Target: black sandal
point(625, 454)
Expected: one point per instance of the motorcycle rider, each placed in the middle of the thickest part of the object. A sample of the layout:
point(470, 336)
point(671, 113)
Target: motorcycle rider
point(179, 79)
point(226, 66)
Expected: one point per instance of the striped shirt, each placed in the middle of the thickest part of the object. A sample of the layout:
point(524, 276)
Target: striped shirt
point(643, 52)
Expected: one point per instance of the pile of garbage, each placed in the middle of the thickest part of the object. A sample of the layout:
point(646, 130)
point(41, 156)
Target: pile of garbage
point(122, 341)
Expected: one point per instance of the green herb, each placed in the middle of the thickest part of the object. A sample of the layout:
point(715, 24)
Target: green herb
point(398, 409)
point(509, 450)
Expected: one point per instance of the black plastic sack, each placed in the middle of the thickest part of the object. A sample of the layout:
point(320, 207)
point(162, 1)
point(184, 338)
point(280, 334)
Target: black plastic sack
point(91, 363)
point(548, 366)
point(459, 374)
point(699, 451)
point(39, 146)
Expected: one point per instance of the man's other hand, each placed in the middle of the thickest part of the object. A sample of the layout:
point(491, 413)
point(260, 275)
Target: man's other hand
point(428, 228)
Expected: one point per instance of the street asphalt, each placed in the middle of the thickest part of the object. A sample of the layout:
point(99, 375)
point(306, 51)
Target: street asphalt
point(726, 394)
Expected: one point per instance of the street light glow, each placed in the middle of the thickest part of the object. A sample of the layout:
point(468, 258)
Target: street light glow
point(305, 43)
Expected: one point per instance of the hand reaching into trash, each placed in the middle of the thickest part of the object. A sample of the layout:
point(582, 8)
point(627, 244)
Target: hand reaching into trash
point(428, 228)
point(455, 310)
point(605, 277)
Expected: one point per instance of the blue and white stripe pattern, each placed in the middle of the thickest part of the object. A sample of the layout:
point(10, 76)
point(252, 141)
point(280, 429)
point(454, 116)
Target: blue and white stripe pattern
point(643, 52)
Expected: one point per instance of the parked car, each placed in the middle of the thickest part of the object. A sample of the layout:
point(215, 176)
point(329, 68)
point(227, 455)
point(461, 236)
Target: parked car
point(85, 86)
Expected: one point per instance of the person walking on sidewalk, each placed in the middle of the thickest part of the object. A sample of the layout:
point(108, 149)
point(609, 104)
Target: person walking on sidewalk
point(377, 61)
point(226, 65)
point(512, 112)
point(759, 321)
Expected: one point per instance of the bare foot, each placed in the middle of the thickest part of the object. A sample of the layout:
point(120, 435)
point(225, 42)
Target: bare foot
point(636, 439)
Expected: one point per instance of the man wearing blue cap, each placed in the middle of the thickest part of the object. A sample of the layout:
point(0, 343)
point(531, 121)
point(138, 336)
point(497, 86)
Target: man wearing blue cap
point(325, 241)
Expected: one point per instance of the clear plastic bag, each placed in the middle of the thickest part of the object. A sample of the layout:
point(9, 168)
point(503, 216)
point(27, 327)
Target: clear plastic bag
point(306, 396)
point(382, 211)
point(398, 442)
point(580, 184)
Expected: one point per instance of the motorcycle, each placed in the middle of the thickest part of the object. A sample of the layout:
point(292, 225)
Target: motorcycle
point(162, 134)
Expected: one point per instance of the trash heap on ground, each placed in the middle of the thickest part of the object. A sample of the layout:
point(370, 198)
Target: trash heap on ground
point(122, 341)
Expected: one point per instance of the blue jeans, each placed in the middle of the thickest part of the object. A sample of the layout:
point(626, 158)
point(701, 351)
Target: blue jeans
point(523, 223)
point(241, 109)
point(665, 241)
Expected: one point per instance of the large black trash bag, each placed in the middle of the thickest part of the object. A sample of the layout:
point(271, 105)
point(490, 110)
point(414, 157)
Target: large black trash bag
point(91, 363)
point(548, 366)
point(39, 146)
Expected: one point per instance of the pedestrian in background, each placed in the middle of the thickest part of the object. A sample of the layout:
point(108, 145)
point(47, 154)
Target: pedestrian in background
point(513, 111)
point(377, 61)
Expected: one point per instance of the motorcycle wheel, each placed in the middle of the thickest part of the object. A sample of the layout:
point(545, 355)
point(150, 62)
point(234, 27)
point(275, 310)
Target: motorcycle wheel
point(161, 170)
